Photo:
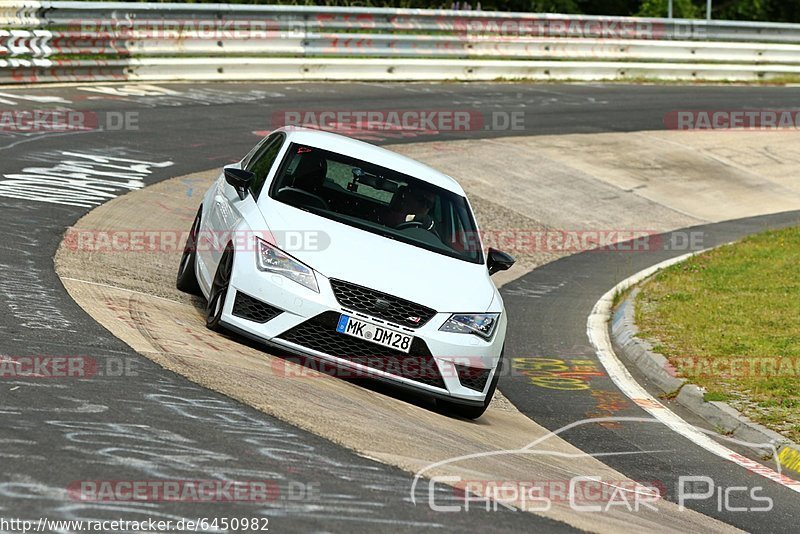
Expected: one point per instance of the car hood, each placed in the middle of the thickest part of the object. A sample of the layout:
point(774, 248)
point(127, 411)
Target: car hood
point(347, 253)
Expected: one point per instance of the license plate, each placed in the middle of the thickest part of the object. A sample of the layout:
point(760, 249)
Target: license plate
point(374, 333)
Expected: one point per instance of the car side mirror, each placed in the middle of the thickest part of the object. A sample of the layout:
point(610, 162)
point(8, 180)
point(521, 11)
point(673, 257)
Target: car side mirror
point(499, 261)
point(240, 179)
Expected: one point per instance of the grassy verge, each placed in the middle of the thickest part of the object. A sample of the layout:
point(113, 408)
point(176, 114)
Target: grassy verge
point(729, 320)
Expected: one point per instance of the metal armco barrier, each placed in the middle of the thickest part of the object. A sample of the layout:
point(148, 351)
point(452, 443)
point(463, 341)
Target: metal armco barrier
point(84, 41)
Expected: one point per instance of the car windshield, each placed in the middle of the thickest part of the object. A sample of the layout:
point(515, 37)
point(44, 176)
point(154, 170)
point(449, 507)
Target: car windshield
point(377, 200)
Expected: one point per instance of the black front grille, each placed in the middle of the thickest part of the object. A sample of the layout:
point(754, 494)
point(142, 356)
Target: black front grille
point(472, 377)
point(382, 305)
point(247, 307)
point(319, 333)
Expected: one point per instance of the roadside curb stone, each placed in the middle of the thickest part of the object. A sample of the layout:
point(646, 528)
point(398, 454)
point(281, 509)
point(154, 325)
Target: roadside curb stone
point(720, 415)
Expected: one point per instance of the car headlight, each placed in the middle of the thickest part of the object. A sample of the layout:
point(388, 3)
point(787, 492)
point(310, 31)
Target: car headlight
point(480, 324)
point(271, 259)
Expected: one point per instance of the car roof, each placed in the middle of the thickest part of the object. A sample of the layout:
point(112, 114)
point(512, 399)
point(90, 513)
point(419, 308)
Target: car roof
point(372, 154)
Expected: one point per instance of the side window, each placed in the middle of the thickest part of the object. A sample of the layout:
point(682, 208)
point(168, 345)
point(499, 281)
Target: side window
point(261, 163)
point(248, 159)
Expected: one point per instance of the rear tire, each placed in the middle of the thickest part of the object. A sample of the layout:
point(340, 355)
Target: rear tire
point(219, 290)
point(473, 412)
point(187, 277)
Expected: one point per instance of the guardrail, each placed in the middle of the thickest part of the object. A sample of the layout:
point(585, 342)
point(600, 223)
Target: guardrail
point(78, 41)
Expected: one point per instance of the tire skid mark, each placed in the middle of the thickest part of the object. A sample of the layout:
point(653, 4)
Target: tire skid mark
point(402, 434)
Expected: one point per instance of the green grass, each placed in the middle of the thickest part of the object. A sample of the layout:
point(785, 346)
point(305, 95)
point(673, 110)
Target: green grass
point(729, 320)
point(715, 396)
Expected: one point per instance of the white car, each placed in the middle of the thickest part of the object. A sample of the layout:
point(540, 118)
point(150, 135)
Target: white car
point(357, 257)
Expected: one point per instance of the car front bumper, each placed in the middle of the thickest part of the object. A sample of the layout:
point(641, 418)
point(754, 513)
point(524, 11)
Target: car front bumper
point(442, 364)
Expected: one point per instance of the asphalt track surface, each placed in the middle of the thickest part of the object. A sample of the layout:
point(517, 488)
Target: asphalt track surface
point(158, 425)
point(547, 313)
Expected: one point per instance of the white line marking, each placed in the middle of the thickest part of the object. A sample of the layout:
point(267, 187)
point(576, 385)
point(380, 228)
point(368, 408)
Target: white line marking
point(597, 330)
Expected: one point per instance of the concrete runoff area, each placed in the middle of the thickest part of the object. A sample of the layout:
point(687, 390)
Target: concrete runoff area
point(542, 183)
point(650, 179)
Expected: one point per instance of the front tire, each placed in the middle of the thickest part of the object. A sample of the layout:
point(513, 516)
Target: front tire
point(473, 412)
point(187, 277)
point(219, 290)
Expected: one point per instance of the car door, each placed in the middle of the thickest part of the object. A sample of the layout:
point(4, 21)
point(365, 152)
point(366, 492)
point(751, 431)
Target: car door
point(229, 210)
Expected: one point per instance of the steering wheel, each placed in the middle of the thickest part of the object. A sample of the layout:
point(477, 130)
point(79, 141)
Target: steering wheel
point(410, 224)
point(426, 224)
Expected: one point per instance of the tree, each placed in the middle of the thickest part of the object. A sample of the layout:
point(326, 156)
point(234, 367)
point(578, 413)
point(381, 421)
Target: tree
point(682, 9)
point(760, 10)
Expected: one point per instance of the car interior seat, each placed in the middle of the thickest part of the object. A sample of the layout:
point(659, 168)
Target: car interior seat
point(307, 182)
